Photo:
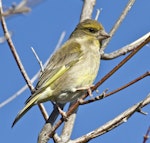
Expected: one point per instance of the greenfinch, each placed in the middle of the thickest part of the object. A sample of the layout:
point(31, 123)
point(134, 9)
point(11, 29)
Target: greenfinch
point(72, 69)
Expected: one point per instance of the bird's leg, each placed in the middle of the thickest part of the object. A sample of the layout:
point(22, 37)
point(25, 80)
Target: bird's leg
point(88, 88)
point(62, 113)
point(80, 100)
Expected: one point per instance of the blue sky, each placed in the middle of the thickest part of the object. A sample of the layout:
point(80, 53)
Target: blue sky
point(41, 29)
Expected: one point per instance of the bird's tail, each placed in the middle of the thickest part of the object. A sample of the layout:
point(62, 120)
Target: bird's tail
point(26, 108)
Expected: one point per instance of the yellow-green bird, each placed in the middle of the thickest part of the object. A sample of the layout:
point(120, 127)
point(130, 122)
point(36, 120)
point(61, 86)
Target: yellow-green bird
point(72, 69)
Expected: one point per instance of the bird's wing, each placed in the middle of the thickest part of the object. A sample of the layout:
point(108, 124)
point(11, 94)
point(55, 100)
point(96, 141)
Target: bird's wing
point(67, 56)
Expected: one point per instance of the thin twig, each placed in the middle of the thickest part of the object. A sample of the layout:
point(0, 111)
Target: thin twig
point(43, 111)
point(61, 38)
point(146, 136)
point(119, 21)
point(19, 92)
point(129, 84)
point(115, 91)
point(38, 59)
point(97, 14)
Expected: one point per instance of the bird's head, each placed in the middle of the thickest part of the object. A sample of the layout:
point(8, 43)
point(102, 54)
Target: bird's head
point(90, 28)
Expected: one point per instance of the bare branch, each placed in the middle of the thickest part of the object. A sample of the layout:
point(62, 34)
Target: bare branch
point(43, 111)
point(146, 136)
point(56, 138)
point(62, 36)
point(14, 52)
point(68, 126)
point(97, 14)
point(126, 49)
point(16, 56)
point(48, 127)
point(20, 91)
point(122, 118)
point(103, 95)
point(38, 59)
point(129, 84)
point(122, 63)
point(3, 38)
point(87, 9)
point(43, 136)
point(20, 8)
point(119, 21)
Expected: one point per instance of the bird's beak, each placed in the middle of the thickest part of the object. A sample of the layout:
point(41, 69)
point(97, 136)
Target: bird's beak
point(103, 35)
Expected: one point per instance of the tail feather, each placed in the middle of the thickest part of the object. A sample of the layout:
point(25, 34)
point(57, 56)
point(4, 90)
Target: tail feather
point(26, 108)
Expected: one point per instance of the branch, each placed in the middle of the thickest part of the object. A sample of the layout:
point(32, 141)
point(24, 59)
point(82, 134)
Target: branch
point(122, 118)
point(16, 56)
point(97, 14)
point(147, 40)
point(103, 95)
point(3, 38)
point(68, 126)
point(38, 59)
point(43, 135)
point(21, 8)
point(146, 136)
point(119, 21)
point(126, 49)
point(20, 91)
point(13, 50)
point(87, 9)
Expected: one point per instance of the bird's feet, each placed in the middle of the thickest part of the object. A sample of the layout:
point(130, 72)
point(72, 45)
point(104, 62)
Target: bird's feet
point(88, 88)
point(62, 113)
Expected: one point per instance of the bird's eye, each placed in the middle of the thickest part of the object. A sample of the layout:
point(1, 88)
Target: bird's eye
point(92, 30)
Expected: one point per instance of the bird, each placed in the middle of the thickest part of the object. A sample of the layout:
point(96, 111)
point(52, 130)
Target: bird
point(72, 68)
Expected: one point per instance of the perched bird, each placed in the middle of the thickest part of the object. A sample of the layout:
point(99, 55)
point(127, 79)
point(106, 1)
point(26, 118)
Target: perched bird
point(72, 69)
